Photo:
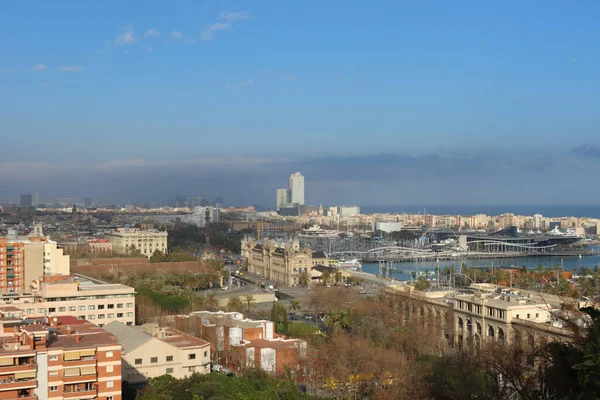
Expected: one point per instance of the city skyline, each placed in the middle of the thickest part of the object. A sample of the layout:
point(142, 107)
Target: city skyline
point(387, 104)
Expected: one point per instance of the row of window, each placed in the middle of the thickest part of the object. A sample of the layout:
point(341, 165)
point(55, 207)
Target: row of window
point(80, 308)
point(101, 316)
point(109, 384)
point(154, 360)
point(108, 296)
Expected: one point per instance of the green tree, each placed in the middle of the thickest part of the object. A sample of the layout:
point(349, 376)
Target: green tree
point(234, 303)
point(249, 301)
point(295, 305)
point(157, 256)
point(303, 279)
point(211, 301)
point(422, 284)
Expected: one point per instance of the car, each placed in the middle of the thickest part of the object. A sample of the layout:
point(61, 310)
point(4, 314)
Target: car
point(217, 367)
point(225, 288)
point(309, 317)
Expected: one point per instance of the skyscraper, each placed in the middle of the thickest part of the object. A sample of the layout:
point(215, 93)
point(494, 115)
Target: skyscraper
point(26, 200)
point(297, 188)
point(283, 198)
point(87, 202)
point(36, 199)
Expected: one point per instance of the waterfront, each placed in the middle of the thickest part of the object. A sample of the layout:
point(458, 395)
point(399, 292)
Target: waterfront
point(569, 263)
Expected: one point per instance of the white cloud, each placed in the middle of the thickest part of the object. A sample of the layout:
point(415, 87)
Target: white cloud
point(176, 35)
point(290, 78)
point(149, 49)
point(38, 67)
point(228, 86)
point(223, 24)
point(126, 52)
point(247, 83)
point(70, 68)
point(127, 37)
point(151, 32)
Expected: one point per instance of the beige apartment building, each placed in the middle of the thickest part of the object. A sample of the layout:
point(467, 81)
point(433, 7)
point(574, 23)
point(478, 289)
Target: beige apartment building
point(281, 264)
point(150, 351)
point(147, 241)
point(489, 316)
point(77, 296)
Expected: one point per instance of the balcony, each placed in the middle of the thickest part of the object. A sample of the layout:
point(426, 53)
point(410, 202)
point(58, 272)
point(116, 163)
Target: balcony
point(80, 393)
point(90, 360)
point(12, 384)
point(9, 369)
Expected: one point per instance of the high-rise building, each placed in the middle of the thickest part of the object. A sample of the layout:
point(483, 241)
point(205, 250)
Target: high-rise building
point(36, 199)
point(26, 200)
point(57, 358)
point(12, 256)
point(87, 202)
point(283, 198)
point(297, 188)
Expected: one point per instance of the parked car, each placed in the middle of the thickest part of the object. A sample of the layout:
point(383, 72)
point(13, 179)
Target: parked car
point(225, 288)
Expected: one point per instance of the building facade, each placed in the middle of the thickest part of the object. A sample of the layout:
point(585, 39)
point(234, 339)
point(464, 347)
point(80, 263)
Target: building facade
point(147, 242)
point(76, 296)
point(283, 264)
point(12, 266)
point(198, 216)
point(297, 188)
point(58, 358)
point(151, 351)
point(283, 198)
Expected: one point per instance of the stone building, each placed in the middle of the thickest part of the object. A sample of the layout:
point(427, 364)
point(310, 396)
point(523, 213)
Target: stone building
point(146, 241)
point(283, 264)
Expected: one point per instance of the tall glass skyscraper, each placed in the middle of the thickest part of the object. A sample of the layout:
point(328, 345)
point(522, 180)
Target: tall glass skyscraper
point(297, 188)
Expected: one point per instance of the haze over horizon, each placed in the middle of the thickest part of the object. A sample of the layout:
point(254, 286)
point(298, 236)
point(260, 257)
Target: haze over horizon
point(382, 104)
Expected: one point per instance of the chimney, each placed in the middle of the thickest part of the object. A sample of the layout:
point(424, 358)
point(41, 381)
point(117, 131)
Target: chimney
point(69, 330)
point(77, 339)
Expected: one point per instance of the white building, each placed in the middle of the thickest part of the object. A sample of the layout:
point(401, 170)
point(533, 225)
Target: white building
point(146, 241)
point(297, 188)
point(348, 211)
point(198, 216)
point(55, 262)
point(387, 226)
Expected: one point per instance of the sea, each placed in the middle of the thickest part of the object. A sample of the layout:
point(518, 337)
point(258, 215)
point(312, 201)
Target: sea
point(552, 211)
point(417, 267)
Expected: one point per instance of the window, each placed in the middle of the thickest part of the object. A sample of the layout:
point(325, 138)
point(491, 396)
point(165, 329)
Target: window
point(81, 317)
point(129, 305)
point(30, 311)
point(154, 360)
point(130, 323)
point(138, 361)
point(206, 354)
point(192, 356)
point(111, 306)
point(53, 373)
point(91, 308)
point(109, 354)
point(53, 388)
point(62, 309)
point(120, 305)
point(517, 316)
point(54, 358)
point(192, 369)
point(537, 315)
point(100, 306)
point(52, 309)
point(91, 317)
point(109, 368)
point(169, 358)
point(72, 308)
point(129, 315)
point(100, 316)
point(120, 315)
point(528, 316)
point(110, 315)
point(42, 310)
point(110, 384)
point(169, 370)
point(81, 308)
point(110, 398)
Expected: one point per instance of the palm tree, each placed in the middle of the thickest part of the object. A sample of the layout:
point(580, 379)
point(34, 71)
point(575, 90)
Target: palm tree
point(211, 301)
point(295, 305)
point(303, 279)
point(249, 301)
point(234, 303)
point(325, 277)
point(337, 276)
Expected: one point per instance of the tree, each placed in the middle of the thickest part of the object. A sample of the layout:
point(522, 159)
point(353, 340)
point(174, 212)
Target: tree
point(249, 301)
point(212, 302)
point(303, 279)
point(234, 303)
point(157, 256)
point(295, 305)
point(422, 284)
point(325, 277)
point(337, 276)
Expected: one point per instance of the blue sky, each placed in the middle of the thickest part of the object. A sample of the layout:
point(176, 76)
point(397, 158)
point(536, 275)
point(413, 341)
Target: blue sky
point(487, 98)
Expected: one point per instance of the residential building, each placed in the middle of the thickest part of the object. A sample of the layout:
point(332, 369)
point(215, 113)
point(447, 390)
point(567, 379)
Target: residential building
point(77, 296)
point(283, 264)
point(151, 351)
point(146, 241)
point(240, 343)
point(387, 226)
point(58, 358)
point(26, 200)
point(348, 211)
point(297, 188)
point(12, 265)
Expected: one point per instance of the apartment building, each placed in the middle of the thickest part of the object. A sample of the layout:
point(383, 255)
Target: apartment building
point(241, 343)
point(58, 358)
point(12, 267)
point(75, 295)
point(281, 264)
point(146, 241)
point(488, 316)
point(151, 351)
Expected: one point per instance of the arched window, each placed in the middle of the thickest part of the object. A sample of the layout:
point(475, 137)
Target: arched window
point(461, 324)
point(501, 338)
point(491, 331)
point(478, 328)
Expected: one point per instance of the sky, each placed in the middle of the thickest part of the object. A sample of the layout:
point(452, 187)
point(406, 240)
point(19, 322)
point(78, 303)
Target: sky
point(376, 103)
